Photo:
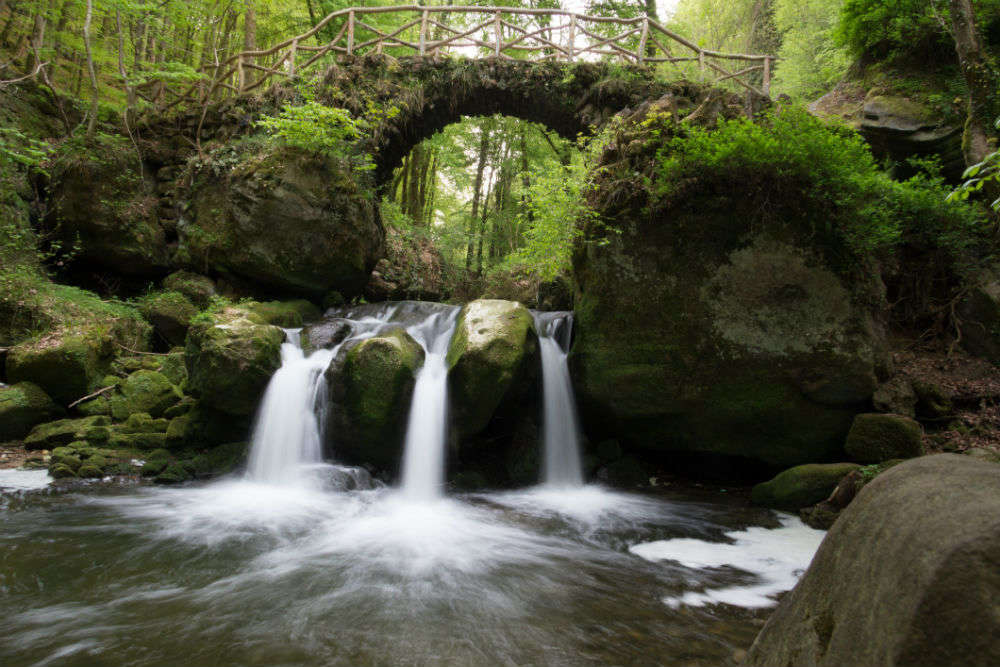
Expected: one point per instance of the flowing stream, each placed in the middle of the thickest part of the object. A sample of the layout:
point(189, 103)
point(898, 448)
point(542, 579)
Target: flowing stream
point(560, 428)
point(297, 562)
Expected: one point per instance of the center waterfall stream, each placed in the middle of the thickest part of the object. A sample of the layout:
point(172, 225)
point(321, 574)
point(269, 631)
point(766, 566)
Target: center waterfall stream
point(297, 561)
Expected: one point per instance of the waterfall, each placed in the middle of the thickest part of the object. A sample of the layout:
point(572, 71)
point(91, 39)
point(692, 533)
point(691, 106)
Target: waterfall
point(287, 437)
point(427, 427)
point(561, 430)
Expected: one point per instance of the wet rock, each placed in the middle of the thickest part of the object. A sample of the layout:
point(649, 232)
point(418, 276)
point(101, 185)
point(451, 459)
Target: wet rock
point(801, 486)
point(197, 288)
point(493, 356)
point(230, 357)
point(370, 388)
point(326, 334)
point(877, 437)
point(908, 576)
point(22, 406)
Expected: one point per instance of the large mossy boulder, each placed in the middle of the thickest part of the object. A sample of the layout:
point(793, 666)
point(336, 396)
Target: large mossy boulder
point(169, 313)
point(101, 198)
point(493, 355)
point(801, 486)
point(64, 431)
point(22, 406)
point(719, 312)
point(197, 288)
point(284, 219)
point(71, 361)
point(371, 387)
point(907, 576)
point(144, 391)
point(875, 438)
point(287, 314)
point(230, 357)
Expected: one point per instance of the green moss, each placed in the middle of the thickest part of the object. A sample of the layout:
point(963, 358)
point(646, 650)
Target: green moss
point(801, 486)
point(61, 472)
point(169, 313)
point(875, 438)
point(141, 422)
point(144, 392)
point(22, 406)
point(61, 432)
point(286, 314)
point(138, 440)
point(198, 289)
point(90, 471)
point(175, 473)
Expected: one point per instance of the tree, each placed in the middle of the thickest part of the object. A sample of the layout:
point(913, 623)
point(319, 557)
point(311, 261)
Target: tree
point(981, 79)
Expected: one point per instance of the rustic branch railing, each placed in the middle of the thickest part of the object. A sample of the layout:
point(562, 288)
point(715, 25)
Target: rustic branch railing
point(500, 32)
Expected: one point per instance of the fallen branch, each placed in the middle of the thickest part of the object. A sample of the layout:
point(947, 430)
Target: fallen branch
point(89, 396)
point(31, 75)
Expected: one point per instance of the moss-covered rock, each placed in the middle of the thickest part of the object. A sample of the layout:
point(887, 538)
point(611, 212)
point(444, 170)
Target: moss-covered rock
point(202, 427)
point(90, 471)
point(198, 289)
point(877, 437)
point(713, 321)
point(175, 473)
point(141, 422)
point(492, 356)
point(22, 406)
point(801, 486)
point(286, 314)
point(62, 432)
point(286, 219)
point(146, 392)
point(219, 460)
point(68, 363)
point(370, 387)
point(138, 440)
point(822, 515)
point(173, 368)
point(101, 198)
point(61, 472)
point(169, 313)
point(230, 357)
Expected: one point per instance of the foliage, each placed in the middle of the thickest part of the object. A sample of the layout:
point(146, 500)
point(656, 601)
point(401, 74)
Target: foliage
point(811, 61)
point(978, 176)
point(794, 157)
point(885, 29)
point(313, 126)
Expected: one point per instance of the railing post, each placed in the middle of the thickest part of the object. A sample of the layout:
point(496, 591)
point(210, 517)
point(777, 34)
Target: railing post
point(496, 34)
point(350, 32)
point(423, 32)
point(572, 38)
point(767, 76)
point(640, 54)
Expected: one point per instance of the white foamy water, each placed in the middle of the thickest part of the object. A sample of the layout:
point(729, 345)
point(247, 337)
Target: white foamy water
point(287, 440)
point(560, 427)
point(24, 480)
point(777, 557)
point(427, 426)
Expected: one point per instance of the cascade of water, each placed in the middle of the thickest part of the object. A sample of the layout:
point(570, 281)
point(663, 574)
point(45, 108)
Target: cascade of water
point(287, 437)
point(427, 427)
point(561, 430)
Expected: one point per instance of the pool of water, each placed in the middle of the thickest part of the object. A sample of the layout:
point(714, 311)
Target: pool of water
point(240, 573)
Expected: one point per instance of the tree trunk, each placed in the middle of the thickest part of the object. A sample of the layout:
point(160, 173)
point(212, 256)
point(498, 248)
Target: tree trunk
point(95, 91)
point(981, 79)
point(250, 28)
point(651, 13)
point(484, 144)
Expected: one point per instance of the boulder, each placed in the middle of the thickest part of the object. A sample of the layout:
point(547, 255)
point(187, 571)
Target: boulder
point(69, 363)
point(801, 486)
point(326, 334)
point(65, 431)
point(897, 396)
point(370, 387)
point(169, 313)
point(721, 319)
point(230, 357)
point(874, 438)
point(144, 391)
point(908, 576)
point(979, 311)
point(198, 289)
point(102, 199)
point(493, 357)
point(288, 220)
point(22, 406)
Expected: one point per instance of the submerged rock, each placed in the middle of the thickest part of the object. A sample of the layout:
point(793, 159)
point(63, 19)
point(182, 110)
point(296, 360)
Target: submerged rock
point(493, 356)
point(22, 406)
point(285, 219)
point(801, 486)
point(876, 437)
point(230, 357)
point(371, 387)
point(908, 576)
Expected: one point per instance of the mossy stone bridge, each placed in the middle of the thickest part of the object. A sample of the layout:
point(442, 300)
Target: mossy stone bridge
point(566, 70)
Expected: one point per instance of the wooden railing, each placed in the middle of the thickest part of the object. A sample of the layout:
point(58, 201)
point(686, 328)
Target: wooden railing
point(500, 32)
